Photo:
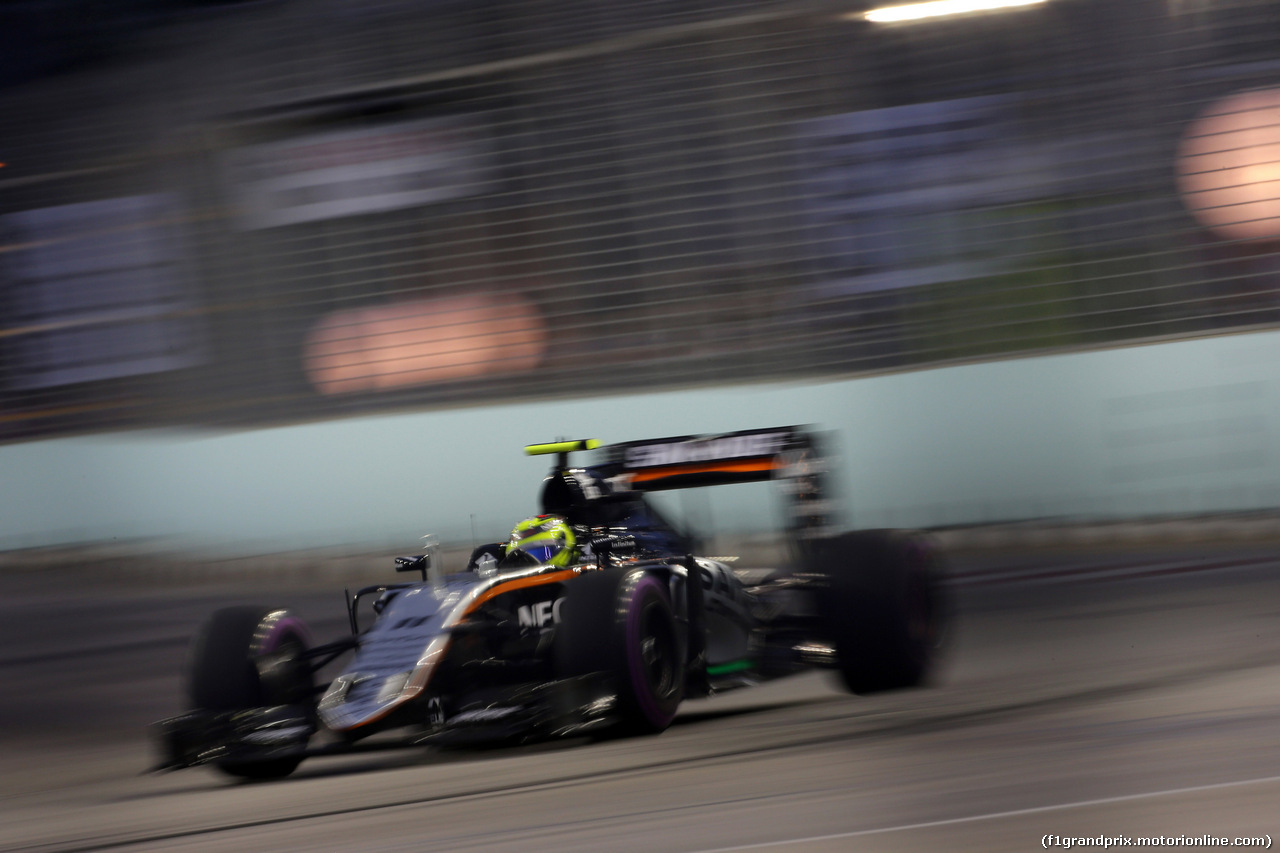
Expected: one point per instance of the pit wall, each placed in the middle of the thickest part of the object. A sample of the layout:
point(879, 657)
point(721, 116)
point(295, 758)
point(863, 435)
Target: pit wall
point(1185, 427)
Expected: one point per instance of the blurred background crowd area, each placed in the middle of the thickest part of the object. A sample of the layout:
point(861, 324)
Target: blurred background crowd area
point(254, 213)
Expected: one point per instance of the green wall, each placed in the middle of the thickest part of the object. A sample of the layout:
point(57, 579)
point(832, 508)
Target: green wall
point(1188, 426)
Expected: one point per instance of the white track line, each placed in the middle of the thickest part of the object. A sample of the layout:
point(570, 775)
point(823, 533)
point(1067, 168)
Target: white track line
point(993, 815)
point(1086, 573)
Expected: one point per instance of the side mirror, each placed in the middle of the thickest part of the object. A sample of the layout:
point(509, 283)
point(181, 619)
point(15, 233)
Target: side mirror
point(420, 563)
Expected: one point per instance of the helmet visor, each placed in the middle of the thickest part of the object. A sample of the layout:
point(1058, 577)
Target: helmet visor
point(541, 551)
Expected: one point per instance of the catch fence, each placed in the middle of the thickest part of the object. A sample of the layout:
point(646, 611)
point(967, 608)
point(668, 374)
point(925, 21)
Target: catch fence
point(278, 212)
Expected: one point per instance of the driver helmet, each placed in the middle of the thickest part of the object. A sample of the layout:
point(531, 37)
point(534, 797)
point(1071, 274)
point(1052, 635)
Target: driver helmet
point(546, 538)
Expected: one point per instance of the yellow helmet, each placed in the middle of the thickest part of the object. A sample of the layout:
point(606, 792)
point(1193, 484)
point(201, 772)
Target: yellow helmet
point(546, 538)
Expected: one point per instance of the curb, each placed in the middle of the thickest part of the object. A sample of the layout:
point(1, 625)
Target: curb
point(1058, 534)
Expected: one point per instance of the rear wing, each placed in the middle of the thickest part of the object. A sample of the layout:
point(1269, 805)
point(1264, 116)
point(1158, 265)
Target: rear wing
point(793, 455)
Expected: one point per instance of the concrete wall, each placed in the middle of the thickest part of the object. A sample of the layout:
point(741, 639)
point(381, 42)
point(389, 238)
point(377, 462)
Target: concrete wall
point(1182, 427)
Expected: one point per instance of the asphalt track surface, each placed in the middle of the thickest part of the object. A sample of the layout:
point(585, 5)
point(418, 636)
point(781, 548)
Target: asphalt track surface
point(1121, 694)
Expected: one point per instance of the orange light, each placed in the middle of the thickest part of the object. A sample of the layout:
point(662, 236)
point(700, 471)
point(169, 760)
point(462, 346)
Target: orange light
point(422, 342)
point(1229, 166)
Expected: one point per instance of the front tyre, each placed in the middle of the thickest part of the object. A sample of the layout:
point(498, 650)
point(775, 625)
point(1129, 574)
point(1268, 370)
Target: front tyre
point(251, 657)
point(621, 623)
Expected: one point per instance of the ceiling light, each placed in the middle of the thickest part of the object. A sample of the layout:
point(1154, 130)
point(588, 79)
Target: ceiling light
point(936, 8)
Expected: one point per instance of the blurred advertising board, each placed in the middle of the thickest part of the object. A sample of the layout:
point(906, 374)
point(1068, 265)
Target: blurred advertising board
point(361, 170)
point(936, 192)
point(883, 189)
point(96, 290)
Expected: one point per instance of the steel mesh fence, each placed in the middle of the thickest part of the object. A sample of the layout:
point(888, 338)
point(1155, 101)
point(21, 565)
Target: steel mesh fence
point(364, 207)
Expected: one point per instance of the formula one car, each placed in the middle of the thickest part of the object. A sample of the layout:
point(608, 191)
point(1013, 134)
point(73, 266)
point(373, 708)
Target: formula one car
point(594, 616)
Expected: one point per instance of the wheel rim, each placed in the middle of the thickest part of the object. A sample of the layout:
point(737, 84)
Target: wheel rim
point(657, 653)
point(283, 677)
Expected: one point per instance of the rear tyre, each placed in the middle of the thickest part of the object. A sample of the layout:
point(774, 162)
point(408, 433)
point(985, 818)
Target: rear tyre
point(251, 657)
point(885, 608)
point(621, 623)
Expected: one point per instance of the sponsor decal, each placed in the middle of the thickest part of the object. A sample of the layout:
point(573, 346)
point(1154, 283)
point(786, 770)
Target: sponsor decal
point(743, 446)
point(482, 715)
point(539, 615)
point(411, 622)
point(287, 734)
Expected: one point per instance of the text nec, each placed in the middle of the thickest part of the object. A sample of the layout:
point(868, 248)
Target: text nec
point(540, 614)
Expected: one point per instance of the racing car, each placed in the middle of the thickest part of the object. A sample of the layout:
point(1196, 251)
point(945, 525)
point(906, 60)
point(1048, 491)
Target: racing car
point(595, 615)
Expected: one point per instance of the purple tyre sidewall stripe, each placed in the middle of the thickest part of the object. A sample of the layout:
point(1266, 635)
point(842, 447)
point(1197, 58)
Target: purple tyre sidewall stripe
point(280, 630)
point(639, 679)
